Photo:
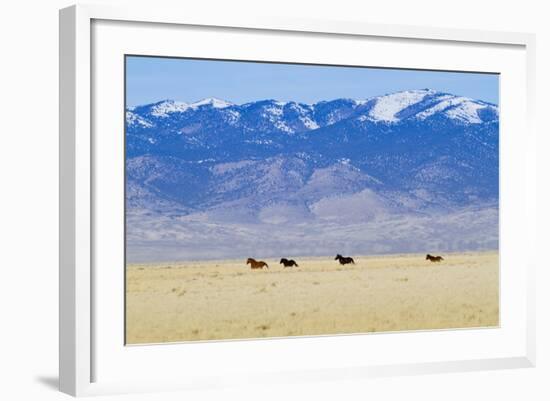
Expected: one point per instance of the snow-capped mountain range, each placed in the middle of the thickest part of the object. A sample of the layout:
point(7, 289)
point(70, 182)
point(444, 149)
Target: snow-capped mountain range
point(392, 108)
point(266, 164)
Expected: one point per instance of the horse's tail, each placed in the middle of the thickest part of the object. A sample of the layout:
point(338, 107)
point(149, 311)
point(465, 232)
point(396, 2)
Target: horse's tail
point(352, 261)
point(266, 265)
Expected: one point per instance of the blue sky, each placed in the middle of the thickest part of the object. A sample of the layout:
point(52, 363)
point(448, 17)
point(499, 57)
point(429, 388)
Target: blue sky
point(150, 79)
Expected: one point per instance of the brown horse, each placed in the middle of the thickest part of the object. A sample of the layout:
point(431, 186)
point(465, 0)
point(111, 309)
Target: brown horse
point(434, 258)
point(256, 264)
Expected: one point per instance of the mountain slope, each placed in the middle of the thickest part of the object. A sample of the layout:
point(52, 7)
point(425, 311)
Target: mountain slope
point(412, 153)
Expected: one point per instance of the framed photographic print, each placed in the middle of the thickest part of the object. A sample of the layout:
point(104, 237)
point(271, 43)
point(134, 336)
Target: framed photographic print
point(278, 200)
point(238, 211)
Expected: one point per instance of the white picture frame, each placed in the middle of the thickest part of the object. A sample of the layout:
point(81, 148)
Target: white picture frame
point(78, 369)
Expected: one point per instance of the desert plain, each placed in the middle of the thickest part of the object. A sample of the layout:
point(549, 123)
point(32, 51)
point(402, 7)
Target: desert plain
point(221, 300)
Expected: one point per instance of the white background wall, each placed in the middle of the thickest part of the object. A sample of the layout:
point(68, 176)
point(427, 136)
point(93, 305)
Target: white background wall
point(29, 185)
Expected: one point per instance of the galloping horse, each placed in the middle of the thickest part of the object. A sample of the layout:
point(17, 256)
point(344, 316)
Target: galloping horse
point(344, 260)
point(256, 264)
point(288, 263)
point(434, 258)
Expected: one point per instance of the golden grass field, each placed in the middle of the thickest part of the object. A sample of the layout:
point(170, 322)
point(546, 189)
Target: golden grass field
point(214, 300)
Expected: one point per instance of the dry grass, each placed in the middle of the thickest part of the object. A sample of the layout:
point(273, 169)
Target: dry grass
point(226, 300)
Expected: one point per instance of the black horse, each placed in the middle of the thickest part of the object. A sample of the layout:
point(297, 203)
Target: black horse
point(344, 260)
point(434, 258)
point(288, 263)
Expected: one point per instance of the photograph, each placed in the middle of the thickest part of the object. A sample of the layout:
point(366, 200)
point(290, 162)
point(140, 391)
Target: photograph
point(277, 199)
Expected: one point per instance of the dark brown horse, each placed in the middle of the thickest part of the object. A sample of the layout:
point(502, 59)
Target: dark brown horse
point(288, 263)
point(434, 258)
point(256, 264)
point(344, 260)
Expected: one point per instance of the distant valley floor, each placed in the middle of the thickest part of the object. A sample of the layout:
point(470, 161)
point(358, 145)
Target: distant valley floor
point(154, 237)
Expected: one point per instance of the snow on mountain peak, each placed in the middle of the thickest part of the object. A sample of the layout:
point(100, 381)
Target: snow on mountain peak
point(444, 102)
point(467, 112)
point(457, 107)
point(167, 107)
point(133, 119)
point(164, 108)
point(212, 101)
point(277, 113)
point(387, 106)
